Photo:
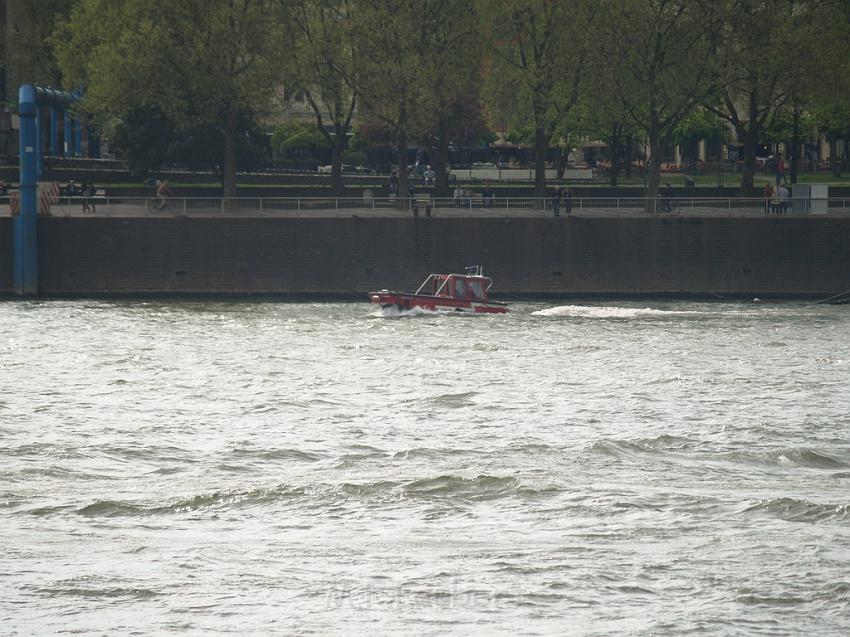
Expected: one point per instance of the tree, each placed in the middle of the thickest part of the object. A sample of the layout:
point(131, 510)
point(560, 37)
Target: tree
point(31, 57)
point(538, 64)
point(601, 113)
point(201, 62)
point(395, 40)
point(818, 83)
point(142, 139)
point(699, 125)
point(663, 60)
point(753, 57)
point(459, 119)
point(323, 68)
point(456, 115)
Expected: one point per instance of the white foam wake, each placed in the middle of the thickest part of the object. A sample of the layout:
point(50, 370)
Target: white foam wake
point(393, 311)
point(585, 311)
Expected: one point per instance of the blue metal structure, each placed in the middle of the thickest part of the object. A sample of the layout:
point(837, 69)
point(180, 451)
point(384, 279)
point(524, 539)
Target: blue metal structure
point(68, 135)
point(30, 100)
point(54, 129)
point(78, 138)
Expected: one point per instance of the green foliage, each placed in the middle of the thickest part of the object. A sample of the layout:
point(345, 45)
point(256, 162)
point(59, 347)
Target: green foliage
point(354, 157)
point(142, 139)
point(32, 57)
point(200, 148)
point(297, 136)
point(322, 56)
point(697, 125)
point(203, 63)
point(168, 78)
point(357, 142)
point(663, 64)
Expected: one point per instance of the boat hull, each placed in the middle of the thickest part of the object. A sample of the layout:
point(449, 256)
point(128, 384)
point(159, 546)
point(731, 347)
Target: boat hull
point(429, 303)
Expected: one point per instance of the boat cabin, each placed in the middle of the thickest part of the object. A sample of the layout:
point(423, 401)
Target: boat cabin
point(456, 286)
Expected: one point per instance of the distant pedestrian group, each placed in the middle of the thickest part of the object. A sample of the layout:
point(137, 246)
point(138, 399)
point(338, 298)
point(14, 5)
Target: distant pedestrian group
point(85, 190)
point(776, 199)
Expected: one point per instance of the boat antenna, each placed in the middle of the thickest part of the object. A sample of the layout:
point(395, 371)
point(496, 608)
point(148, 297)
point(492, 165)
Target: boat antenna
point(475, 270)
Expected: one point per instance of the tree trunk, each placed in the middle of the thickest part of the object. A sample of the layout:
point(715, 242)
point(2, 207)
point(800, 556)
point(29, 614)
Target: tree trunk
point(229, 167)
point(834, 159)
point(654, 179)
point(336, 163)
point(614, 153)
point(629, 153)
point(748, 171)
point(563, 156)
point(401, 149)
point(795, 145)
point(541, 146)
point(441, 162)
point(751, 139)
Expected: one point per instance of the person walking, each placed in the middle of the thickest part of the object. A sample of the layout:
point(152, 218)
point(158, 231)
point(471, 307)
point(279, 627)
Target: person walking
point(430, 175)
point(667, 199)
point(556, 202)
point(457, 198)
point(87, 191)
point(488, 195)
point(567, 195)
point(783, 199)
point(780, 172)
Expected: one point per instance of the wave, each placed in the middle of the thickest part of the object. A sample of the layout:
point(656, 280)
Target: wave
point(94, 593)
point(794, 510)
point(791, 457)
point(606, 312)
point(797, 457)
point(462, 399)
point(483, 487)
point(278, 454)
point(430, 453)
point(663, 442)
point(216, 499)
point(443, 488)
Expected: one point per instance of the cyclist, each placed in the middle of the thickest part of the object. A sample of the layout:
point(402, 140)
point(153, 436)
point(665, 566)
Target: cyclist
point(163, 192)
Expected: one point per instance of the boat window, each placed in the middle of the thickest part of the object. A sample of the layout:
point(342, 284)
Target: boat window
point(477, 290)
point(460, 287)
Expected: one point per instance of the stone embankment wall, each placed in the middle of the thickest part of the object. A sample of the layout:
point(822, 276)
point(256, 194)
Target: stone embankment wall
point(779, 256)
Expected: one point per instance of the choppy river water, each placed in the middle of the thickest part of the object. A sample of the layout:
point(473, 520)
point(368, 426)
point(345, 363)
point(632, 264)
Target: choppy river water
point(569, 468)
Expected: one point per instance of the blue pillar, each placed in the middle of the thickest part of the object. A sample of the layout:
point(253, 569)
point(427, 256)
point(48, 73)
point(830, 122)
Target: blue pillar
point(69, 139)
point(39, 141)
point(54, 129)
point(25, 275)
point(78, 137)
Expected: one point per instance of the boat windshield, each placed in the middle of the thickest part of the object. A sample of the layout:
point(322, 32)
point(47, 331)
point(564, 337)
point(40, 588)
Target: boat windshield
point(460, 288)
point(477, 289)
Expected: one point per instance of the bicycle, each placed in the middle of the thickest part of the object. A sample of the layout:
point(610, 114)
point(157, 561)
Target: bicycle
point(668, 206)
point(157, 205)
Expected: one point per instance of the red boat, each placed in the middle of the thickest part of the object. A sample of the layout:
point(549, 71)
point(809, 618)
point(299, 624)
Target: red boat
point(446, 293)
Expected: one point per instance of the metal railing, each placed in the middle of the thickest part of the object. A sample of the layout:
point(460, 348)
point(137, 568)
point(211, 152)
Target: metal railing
point(465, 206)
